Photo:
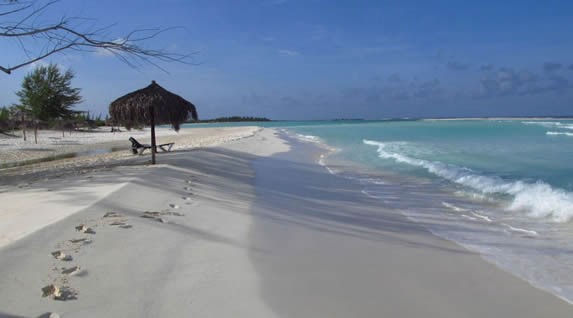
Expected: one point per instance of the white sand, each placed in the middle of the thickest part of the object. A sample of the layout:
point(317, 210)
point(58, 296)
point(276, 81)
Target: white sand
point(246, 229)
point(28, 208)
point(24, 189)
point(195, 263)
point(51, 143)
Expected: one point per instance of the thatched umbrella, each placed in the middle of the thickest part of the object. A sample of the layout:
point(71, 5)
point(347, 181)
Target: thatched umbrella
point(150, 106)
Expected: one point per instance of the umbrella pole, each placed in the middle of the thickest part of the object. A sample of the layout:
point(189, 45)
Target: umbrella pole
point(153, 148)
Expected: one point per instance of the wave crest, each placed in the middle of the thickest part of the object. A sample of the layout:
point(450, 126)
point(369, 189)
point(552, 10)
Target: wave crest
point(539, 199)
point(554, 133)
point(549, 124)
point(310, 138)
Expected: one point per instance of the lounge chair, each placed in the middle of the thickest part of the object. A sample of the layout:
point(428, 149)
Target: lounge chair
point(138, 148)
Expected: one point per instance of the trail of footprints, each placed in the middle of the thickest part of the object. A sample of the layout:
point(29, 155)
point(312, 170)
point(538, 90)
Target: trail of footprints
point(60, 288)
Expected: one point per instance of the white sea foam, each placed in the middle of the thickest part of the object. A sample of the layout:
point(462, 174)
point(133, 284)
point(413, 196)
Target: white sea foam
point(554, 133)
point(481, 216)
point(469, 217)
point(371, 181)
point(370, 195)
point(519, 230)
point(538, 199)
point(474, 195)
point(549, 124)
point(453, 207)
point(322, 162)
point(475, 216)
point(310, 138)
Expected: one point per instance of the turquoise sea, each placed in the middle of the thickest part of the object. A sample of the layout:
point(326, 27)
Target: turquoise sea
point(502, 188)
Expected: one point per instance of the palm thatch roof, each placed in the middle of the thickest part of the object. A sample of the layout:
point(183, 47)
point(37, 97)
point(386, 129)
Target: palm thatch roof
point(134, 109)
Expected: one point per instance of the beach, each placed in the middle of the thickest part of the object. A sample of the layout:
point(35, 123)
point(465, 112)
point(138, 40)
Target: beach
point(235, 222)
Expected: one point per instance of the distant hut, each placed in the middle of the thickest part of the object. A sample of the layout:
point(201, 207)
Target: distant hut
point(150, 106)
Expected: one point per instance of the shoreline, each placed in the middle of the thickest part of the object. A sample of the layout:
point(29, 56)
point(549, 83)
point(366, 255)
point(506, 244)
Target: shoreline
point(497, 118)
point(436, 207)
point(335, 252)
point(253, 227)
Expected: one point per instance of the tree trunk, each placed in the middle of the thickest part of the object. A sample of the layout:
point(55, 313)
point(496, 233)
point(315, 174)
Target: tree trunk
point(153, 147)
point(23, 127)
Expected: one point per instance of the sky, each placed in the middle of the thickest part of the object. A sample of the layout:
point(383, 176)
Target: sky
point(319, 59)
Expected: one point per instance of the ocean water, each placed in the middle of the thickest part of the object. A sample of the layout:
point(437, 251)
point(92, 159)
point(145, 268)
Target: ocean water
point(501, 188)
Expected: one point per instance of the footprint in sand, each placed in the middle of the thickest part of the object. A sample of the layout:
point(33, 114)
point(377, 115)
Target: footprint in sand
point(154, 216)
point(51, 290)
point(187, 189)
point(83, 240)
point(49, 315)
point(173, 206)
point(61, 256)
point(111, 215)
point(122, 225)
point(58, 293)
point(151, 214)
point(84, 229)
point(71, 271)
point(174, 213)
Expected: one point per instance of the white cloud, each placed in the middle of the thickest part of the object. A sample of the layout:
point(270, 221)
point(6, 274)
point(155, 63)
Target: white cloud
point(61, 66)
point(36, 64)
point(288, 53)
point(103, 52)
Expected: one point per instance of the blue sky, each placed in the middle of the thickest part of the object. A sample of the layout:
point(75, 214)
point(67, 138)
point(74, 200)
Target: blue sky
point(317, 59)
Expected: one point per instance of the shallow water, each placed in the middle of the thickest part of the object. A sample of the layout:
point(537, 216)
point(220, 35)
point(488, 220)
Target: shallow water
point(500, 188)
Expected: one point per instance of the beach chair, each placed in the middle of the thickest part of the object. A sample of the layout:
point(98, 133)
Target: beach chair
point(138, 148)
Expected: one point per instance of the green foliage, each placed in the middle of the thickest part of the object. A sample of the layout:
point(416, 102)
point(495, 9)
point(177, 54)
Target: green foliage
point(47, 93)
point(89, 120)
point(4, 114)
point(232, 119)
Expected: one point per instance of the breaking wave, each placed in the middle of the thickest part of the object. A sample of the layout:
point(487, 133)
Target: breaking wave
point(549, 124)
point(555, 133)
point(538, 200)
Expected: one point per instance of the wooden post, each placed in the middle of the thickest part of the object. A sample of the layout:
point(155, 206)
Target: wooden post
point(152, 112)
point(24, 127)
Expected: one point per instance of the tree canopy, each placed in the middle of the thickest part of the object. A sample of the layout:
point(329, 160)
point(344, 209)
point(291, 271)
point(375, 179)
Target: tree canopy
point(47, 93)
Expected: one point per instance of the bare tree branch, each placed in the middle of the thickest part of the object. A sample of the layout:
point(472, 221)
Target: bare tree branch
point(65, 34)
